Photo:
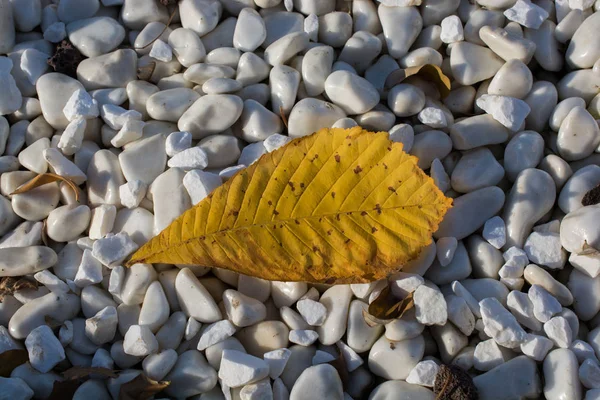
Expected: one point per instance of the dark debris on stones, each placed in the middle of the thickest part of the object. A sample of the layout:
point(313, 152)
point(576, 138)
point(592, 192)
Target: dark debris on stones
point(592, 197)
point(65, 59)
point(169, 2)
point(454, 383)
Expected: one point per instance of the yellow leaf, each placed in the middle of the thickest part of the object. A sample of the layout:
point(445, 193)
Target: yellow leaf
point(43, 179)
point(338, 206)
point(431, 73)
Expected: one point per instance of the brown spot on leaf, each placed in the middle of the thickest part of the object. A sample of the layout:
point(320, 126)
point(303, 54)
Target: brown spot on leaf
point(391, 189)
point(373, 229)
point(337, 158)
point(301, 185)
point(357, 170)
point(270, 203)
point(329, 232)
point(292, 186)
point(333, 195)
point(385, 166)
point(363, 213)
point(275, 212)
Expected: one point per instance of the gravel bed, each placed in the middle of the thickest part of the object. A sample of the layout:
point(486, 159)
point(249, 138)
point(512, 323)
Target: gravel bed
point(149, 105)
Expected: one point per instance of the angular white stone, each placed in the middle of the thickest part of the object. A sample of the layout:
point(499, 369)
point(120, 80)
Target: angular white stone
point(522, 308)
point(112, 250)
point(527, 14)
point(90, 270)
point(130, 132)
point(177, 142)
point(215, 333)
point(239, 369)
point(303, 337)
point(536, 347)
point(132, 193)
point(101, 328)
point(351, 358)
point(45, 351)
point(102, 221)
point(500, 324)
point(509, 111)
point(558, 330)
point(139, 341)
point(544, 304)
point(161, 51)
point(423, 373)
point(494, 231)
point(81, 105)
point(199, 184)
point(313, 312)
point(452, 29)
point(430, 306)
point(243, 310)
point(487, 355)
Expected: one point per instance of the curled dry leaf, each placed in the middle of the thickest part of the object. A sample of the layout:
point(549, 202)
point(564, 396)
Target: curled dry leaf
point(591, 197)
point(386, 306)
point(11, 359)
point(9, 285)
point(83, 372)
point(429, 72)
point(338, 206)
point(144, 72)
point(141, 388)
point(74, 377)
point(454, 383)
point(43, 179)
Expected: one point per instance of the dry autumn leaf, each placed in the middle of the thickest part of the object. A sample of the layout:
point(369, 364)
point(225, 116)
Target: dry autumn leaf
point(43, 179)
point(9, 285)
point(429, 72)
point(338, 206)
point(11, 359)
point(141, 388)
point(386, 306)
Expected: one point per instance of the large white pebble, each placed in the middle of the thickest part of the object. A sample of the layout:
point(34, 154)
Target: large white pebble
point(395, 360)
point(310, 115)
point(211, 114)
point(578, 136)
point(250, 31)
point(355, 95)
point(401, 26)
point(194, 299)
point(584, 49)
point(471, 63)
point(201, 16)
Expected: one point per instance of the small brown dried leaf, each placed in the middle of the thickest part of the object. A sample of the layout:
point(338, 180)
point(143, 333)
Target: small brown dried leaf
point(454, 383)
point(145, 72)
point(386, 306)
point(283, 117)
point(141, 388)
point(11, 359)
point(429, 72)
point(83, 372)
point(64, 389)
point(43, 179)
point(9, 285)
point(591, 197)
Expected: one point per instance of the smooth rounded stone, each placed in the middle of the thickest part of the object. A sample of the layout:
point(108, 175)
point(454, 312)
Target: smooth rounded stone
point(507, 45)
point(335, 28)
point(577, 186)
point(521, 372)
point(316, 67)
point(361, 50)
point(365, 18)
point(475, 170)
point(513, 79)
point(170, 198)
point(40, 383)
point(318, 7)
point(539, 276)
point(146, 37)
point(214, 353)
point(94, 299)
point(54, 90)
point(60, 307)
point(584, 50)
point(542, 99)
point(395, 360)
point(430, 145)
point(155, 308)
point(263, 337)
point(477, 20)
point(482, 204)
point(200, 118)
point(318, 382)
point(32, 157)
point(282, 50)
point(530, 198)
point(251, 69)
point(562, 109)
point(36, 204)
point(404, 328)
point(355, 95)
point(280, 24)
point(566, 28)
point(144, 159)
point(104, 178)
point(337, 301)
point(467, 134)
point(400, 390)
point(580, 83)
point(76, 217)
point(15, 388)
point(471, 63)
point(221, 36)
point(561, 380)
point(576, 233)
point(222, 150)
point(459, 268)
point(109, 70)
point(200, 16)
point(137, 222)
point(401, 26)
point(487, 287)
point(19, 261)
point(7, 27)
point(578, 136)
point(380, 118)
point(257, 123)
point(95, 36)
point(309, 115)
point(524, 150)
point(486, 260)
point(72, 10)
point(191, 375)
point(191, 293)
point(299, 360)
point(92, 388)
point(250, 31)
point(138, 93)
point(157, 366)
point(558, 169)
point(547, 52)
point(405, 100)
point(171, 104)
point(360, 335)
point(284, 82)
point(450, 341)
point(187, 46)
point(221, 86)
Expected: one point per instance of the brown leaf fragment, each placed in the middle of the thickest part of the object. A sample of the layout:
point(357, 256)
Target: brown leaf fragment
point(340, 366)
point(454, 383)
point(144, 72)
point(84, 372)
point(66, 58)
point(141, 388)
point(386, 306)
point(11, 359)
point(429, 72)
point(43, 179)
point(64, 389)
point(9, 285)
point(283, 117)
point(591, 197)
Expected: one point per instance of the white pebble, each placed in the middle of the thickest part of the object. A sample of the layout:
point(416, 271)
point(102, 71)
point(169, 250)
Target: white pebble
point(81, 105)
point(45, 351)
point(494, 231)
point(313, 312)
point(56, 32)
point(433, 117)
point(515, 256)
point(277, 360)
point(139, 341)
point(452, 29)
point(177, 142)
point(51, 281)
point(544, 304)
point(351, 358)
point(132, 193)
point(558, 330)
point(89, 271)
point(487, 355)
point(445, 248)
point(72, 137)
point(102, 221)
point(536, 347)
point(303, 337)
point(589, 374)
point(192, 158)
point(199, 184)
point(500, 324)
point(130, 132)
point(33, 64)
point(275, 141)
point(423, 373)
point(161, 51)
point(322, 357)
point(215, 333)
point(239, 369)
point(509, 111)
point(430, 306)
point(115, 116)
point(525, 13)
point(101, 328)
point(544, 248)
point(112, 250)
